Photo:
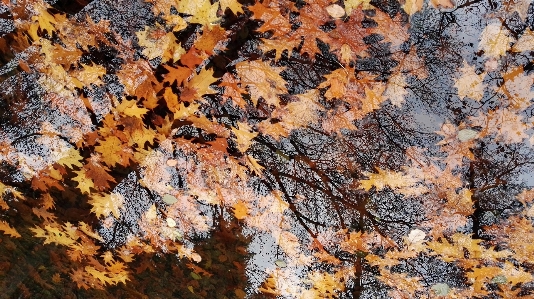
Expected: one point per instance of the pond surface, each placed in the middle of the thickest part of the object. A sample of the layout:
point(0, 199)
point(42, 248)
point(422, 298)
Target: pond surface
point(275, 149)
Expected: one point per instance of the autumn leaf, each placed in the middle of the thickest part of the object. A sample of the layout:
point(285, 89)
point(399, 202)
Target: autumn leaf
point(8, 230)
point(84, 182)
point(470, 84)
point(159, 43)
point(113, 152)
point(495, 40)
point(201, 12)
point(70, 157)
point(388, 178)
point(442, 3)
point(263, 81)
point(104, 205)
point(412, 6)
point(240, 210)
point(233, 5)
point(130, 108)
point(244, 136)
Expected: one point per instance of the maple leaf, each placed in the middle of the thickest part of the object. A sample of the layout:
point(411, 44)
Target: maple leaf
point(69, 158)
point(85, 183)
point(201, 12)
point(325, 285)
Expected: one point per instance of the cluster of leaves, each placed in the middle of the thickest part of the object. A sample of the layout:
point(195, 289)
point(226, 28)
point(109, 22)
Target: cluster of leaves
point(289, 117)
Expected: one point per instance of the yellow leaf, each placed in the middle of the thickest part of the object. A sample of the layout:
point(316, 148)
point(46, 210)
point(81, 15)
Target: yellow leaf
point(263, 80)
point(106, 204)
point(350, 5)
point(84, 182)
point(90, 75)
point(244, 136)
point(69, 158)
point(412, 6)
point(130, 108)
point(159, 43)
point(178, 22)
point(386, 178)
point(44, 20)
point(201, 11)
point(240, 210)
point(256, 167)
point(8, 230)
point(111, 150)
point(53, 234)
point(201, 82)
point(233, 5)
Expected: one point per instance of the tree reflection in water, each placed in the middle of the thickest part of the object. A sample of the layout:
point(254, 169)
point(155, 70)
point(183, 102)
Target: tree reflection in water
point(308, 149)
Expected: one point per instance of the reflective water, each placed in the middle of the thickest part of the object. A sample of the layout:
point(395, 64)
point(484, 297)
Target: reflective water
point(175, 149)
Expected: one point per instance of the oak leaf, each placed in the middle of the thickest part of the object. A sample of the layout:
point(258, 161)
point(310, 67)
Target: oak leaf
point(8, 230)
point(263, 81)
point(104, 205)
point(98, 173)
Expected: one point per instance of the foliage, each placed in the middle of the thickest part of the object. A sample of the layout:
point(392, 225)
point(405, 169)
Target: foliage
point(296, 121)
